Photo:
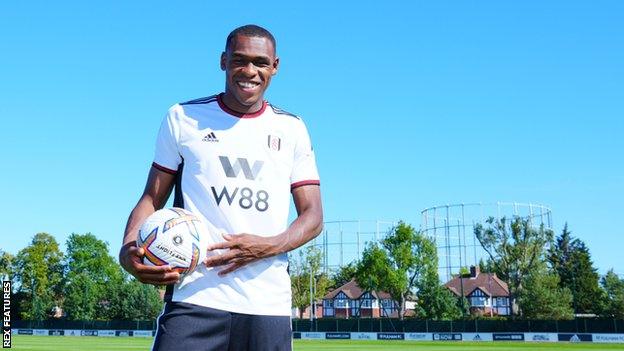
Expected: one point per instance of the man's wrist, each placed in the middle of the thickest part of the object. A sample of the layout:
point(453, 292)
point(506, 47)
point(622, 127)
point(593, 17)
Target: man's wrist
point(279, 244)
point(124, 248)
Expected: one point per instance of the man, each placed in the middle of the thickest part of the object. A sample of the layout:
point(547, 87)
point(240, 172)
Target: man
point(234, 158)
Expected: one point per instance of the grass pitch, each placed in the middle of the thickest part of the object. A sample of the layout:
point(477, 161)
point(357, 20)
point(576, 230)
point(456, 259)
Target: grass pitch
point(69, 343)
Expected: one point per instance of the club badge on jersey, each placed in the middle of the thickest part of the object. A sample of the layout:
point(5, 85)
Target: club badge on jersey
point(274, 142)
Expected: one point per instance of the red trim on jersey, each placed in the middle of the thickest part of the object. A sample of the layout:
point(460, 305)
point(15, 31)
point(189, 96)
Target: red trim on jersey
point(239, 114)
point(304, 182)
point(164, 169)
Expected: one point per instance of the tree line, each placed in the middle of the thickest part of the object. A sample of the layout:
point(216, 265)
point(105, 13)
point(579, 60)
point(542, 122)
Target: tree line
point(548, 277)
point(83, 283)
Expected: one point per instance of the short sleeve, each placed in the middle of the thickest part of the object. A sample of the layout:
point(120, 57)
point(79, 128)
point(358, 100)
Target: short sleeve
point(304, 171)
point(167, 156)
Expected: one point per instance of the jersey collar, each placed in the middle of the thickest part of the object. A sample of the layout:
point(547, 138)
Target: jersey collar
point(239, 114)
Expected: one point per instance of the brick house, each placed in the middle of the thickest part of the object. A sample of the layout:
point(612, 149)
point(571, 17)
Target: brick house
point(318, 311)
point(349, 300)
point(487, 294)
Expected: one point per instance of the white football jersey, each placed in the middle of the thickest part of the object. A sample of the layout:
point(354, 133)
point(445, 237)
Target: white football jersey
point(236, 171)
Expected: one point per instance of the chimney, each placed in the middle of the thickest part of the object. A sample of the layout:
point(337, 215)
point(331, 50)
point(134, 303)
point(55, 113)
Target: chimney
point(474, 271)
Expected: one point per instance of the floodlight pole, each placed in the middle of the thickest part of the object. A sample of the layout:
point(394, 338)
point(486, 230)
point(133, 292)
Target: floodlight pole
point(311, 296)
point(491, 295)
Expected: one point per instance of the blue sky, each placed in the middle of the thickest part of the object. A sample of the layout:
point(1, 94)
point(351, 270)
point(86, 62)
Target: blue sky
point(409, 104)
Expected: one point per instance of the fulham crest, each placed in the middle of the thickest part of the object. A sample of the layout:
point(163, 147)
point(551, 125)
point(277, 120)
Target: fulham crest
point(274, 143)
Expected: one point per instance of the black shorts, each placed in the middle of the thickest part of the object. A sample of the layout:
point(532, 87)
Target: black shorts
point(188, 327)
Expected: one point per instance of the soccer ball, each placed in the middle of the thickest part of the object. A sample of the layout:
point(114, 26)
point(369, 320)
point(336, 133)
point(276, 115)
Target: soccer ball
point(175, 237)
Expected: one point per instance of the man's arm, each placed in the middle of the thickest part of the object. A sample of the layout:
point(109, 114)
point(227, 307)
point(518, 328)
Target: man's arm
point(157, 190)
point(246, 248)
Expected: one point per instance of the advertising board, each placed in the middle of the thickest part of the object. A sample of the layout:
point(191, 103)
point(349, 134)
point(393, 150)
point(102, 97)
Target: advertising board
point(575, 337)
point(313, 335)
point(390, 336)
point(508, 336)
point(364, 336)
point(608, 338)
point(541, 337)
point(419, 336)
point(477, 336)
point(447, 336)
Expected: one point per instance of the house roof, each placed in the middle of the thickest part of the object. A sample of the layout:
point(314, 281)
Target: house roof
point(354, 292)
point(489, 283)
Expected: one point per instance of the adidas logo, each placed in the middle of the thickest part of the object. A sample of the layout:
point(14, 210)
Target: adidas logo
point(210, 137)
point(477, 338)
point(575, 338)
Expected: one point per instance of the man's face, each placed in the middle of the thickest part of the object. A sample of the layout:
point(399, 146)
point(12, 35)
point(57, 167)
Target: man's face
point(249, 63)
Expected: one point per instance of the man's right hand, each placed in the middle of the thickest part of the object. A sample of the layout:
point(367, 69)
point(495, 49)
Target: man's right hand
point(130, 258)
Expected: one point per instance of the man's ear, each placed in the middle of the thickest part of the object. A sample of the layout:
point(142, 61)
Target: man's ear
point(275, 65)
point(223, 61)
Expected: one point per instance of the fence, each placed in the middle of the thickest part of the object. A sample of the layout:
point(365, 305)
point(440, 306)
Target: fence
point(84, 325)
point(374, 325)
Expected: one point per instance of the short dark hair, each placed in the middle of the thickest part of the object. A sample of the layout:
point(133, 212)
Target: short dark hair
point(250, 30)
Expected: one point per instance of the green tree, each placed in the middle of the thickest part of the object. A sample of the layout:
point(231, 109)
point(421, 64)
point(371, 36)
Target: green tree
point(6, 264)
point(486, 266)
point(81, 296)
point(571, 260)
point(614, 288)
point(132, 300)
point(515, 249)
point(39, 273)
point(405, 261)
point(463, 271)
point(306, 276)
point(543, 298)
point(438, 303)
point(91, 274)
point(343, 275)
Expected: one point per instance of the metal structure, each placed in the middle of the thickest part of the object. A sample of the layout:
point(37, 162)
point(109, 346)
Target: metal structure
point(452, 228)
point(342, 242)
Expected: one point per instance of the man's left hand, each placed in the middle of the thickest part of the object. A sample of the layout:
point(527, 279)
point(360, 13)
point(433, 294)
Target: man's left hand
point(241, 250)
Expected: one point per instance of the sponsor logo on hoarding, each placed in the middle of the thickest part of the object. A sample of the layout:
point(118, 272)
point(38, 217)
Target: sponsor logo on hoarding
point(106, 333)
point(142, 333)
point(508, 337)
point(575, 337)
point(40, 332)
point(123, 333)
point(337, 335)
point(56, 332)
point(313, 335)
point(88, 333)
point(390, 336)
point(476, 336)
point(540, 337)
point(363, 336)
point(609, 338)
point(72, 332)
point(24, 332)
point(296, 335)
point(447, 336)
point(417, 336)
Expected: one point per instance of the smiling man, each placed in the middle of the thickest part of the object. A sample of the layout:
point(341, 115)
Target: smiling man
point(235, 161)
